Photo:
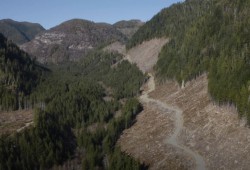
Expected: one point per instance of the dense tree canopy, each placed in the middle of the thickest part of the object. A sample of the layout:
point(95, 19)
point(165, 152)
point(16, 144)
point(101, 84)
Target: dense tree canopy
point(206, 36)
point(69, 102)
point(19, 74)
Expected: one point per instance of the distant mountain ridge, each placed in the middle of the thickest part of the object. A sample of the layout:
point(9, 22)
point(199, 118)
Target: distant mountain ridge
point(19, 32)
point(71, 40)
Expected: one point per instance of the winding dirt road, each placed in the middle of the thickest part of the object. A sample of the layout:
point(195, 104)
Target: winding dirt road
point(173, 139)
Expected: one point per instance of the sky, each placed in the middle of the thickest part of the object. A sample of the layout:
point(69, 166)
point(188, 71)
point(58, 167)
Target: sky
point(50, 13)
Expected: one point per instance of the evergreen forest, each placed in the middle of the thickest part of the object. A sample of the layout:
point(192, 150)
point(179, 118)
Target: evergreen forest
point(206, 36)
point(80, 110)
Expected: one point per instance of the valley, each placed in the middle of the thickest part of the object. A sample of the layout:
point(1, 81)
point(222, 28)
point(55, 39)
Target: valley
point(70, 115)
point(170, 93)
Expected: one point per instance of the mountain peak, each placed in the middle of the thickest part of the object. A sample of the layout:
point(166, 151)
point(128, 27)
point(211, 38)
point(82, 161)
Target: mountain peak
point(19, 32)
point(71, 40)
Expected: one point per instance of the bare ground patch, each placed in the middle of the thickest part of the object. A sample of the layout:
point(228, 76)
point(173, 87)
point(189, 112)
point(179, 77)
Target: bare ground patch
point(116, 47)
point(145, 140)
point(148, 140)
point(214, 131)
point(146, 54)
point(15, 121)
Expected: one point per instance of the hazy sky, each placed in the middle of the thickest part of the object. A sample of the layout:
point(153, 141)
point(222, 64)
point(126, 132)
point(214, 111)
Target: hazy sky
point(50, 13)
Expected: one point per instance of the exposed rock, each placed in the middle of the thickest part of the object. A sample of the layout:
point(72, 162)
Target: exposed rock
point(71, 40)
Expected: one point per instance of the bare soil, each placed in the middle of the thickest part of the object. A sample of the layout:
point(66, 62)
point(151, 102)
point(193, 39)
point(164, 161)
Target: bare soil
point(171, 141)
point(15, 121)
point(213, 132)
point(116, 47)
point(146, 54)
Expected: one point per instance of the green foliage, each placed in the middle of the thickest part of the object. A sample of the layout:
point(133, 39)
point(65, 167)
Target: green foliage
point(120, 161)
point(47, 144)
point(101, 150)
point(18, 75)
point(19, 32)
point(206, 36)
point(172, 21)
point(124, 78)
point(69, 102)
point(82, 37)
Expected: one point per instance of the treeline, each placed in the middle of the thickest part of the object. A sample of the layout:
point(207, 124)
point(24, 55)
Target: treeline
point(19, 74)
point(53, 141)
point(41, 147)
point(124, 78)
point(170, 22)
point(212, 36)
point(69, 103)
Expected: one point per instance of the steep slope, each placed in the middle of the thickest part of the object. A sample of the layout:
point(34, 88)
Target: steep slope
point(154, 139)
point(18, 75)
point(128, 28)
point(172, 140)
point(212, 131)
point(146, 54)
point(19, 32)
point(215, 41)
point(206, 36)
point(170, 22)
point(71, 40)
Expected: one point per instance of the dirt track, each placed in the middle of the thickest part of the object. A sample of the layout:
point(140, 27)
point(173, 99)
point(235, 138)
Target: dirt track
point(214, 132)
point(173, 139)
point(145, 61)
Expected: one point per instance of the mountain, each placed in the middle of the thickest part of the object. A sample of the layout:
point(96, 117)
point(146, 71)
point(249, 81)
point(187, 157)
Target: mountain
point(71, 40)
point(19, 74)
point(128, 28)
point(171, 21)
point(209, 36)
point(19, 32)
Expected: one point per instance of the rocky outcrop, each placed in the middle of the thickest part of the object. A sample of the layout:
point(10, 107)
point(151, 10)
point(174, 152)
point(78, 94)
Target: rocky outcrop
point(71, 40)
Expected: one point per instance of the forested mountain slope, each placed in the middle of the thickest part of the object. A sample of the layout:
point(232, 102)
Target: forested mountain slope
point(18, 75)
point(71, 40)
point(172, 21)
point(19, 32)
point(205, 36)
point(82, 108)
